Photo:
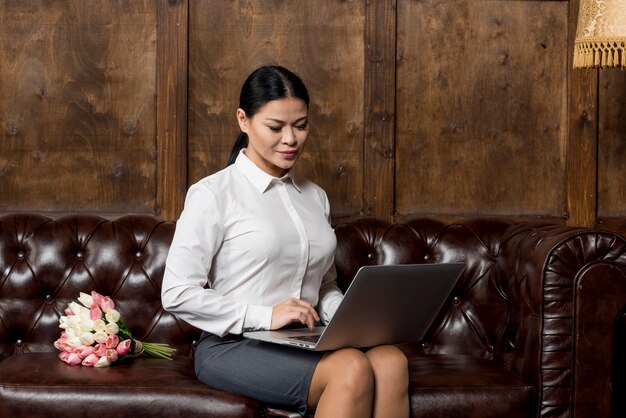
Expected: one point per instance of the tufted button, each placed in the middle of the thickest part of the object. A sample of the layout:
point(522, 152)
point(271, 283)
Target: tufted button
point(194, 343)
point(490, 349)
point(20, 255)
point(19, 343)
point(370, 256)
point(425, 345)
point(456, 300)
point(49, 298)
point(427, 257)
point(138, 255)
point(79, 255)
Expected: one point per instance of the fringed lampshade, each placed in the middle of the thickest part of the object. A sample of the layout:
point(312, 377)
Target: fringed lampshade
point(601, 34)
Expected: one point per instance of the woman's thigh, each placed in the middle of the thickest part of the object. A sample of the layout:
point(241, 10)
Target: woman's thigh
point(271, 373)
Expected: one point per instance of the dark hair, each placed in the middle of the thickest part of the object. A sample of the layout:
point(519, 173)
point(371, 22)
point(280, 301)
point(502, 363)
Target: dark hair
point(265, 84)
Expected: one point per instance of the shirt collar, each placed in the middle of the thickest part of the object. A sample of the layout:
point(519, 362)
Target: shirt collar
point(259, 178)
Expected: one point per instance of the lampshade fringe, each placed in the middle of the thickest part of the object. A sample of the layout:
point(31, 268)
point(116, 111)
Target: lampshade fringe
point(595, 54)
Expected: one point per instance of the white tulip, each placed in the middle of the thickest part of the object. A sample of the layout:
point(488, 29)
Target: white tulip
point(112, 328)
point(103, 362)
point(87, 338)
point(85, 299)
point(100, 336)
point(78, 309)
point(112, 315)
point(98, 325)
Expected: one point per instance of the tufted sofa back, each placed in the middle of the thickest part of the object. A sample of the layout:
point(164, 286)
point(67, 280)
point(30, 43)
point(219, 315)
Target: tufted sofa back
point(45, 263)
point(475, 312)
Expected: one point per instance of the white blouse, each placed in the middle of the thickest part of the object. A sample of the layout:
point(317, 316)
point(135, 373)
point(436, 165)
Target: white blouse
point(245, 242)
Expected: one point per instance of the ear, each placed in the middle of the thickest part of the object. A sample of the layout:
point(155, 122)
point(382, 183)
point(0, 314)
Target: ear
point(242, 119)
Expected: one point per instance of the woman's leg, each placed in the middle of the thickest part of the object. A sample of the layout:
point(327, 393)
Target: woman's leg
point(391, 387)
point(342, 385)
point(350, 383)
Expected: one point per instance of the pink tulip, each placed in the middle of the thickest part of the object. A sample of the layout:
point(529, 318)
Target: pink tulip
point(86, 351)
point(97, 297)
point(112, 341)
point(95, 312)
point(123, 347)
point(107, 303)
point(61, 346)
point(58, 344)
point(100, 350)
point(70, 358)
point(112, 355)
point(90, 360)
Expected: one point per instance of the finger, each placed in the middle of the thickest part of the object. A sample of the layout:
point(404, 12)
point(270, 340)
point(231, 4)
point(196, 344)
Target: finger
point(310, 315)
point(310, 308)
point(303, 315)
point(307, 320)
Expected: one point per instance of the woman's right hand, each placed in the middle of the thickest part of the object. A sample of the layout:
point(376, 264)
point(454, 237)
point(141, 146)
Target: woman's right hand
point(294, 310)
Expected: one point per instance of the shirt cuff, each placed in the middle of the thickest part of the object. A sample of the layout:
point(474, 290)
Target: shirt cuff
point(328, 309)
point(258, 318)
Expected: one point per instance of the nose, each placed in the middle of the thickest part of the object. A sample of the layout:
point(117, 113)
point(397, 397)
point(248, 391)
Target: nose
point(289, 136)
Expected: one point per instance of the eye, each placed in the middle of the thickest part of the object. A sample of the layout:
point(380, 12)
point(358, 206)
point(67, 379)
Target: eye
point(302, 127)
point(275, 129)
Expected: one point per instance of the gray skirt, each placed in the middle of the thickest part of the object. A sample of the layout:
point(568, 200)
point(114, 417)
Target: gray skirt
point(276, 375)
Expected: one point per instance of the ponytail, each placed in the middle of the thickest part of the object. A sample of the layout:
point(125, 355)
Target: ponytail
point(240, 143)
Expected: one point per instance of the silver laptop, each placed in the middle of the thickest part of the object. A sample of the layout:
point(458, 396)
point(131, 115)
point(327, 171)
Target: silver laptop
point(384, 304)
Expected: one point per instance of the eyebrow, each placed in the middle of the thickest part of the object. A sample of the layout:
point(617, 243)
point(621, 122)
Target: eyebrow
point(282, 121)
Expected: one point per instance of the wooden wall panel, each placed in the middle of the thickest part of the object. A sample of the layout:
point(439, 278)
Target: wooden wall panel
point(171, 110)
point(451, 108)
point(380, 110)
point(481, 107)
point(612, 151)
point(612, 144)
point(77, 89)
point(322, 41)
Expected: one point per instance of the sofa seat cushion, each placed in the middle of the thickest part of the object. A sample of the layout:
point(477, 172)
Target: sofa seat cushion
point(39, 384)
point(467, 386)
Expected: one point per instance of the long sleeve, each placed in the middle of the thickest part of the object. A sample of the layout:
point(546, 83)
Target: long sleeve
point(199, 234)
point(329, 296)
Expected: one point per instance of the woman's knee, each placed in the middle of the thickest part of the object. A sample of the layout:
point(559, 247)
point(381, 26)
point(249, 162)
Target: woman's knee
point(349, 368)
point(389, 364)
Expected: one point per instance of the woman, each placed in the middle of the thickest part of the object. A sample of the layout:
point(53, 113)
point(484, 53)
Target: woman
point(253, 250)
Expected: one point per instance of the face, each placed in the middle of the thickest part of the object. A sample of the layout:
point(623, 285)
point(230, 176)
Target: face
point(276, 134)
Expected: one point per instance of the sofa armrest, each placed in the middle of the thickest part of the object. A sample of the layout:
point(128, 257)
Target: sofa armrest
point(566, 288)
point(619, 367)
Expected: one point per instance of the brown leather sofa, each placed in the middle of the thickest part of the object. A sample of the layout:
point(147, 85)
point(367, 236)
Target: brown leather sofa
point(535, 326)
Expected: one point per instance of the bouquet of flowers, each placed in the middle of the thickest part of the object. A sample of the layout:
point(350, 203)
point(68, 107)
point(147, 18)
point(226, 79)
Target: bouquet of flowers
point(95, 335)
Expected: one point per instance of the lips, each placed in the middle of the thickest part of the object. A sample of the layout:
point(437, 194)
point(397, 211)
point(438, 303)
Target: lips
point(289, 154)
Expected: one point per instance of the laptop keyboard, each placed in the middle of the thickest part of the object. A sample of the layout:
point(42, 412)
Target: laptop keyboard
point(307, 338)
